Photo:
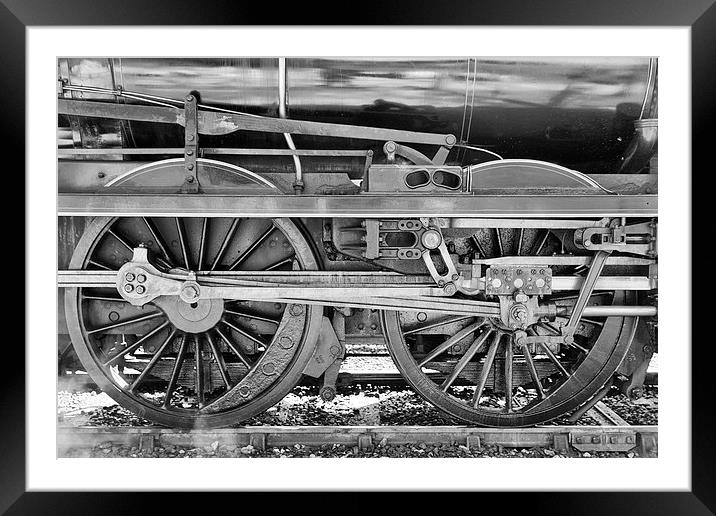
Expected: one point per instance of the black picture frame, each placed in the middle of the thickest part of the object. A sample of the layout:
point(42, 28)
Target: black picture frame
point(700, 15)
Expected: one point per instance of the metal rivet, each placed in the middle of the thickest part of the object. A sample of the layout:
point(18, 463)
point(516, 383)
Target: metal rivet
point(268, 368)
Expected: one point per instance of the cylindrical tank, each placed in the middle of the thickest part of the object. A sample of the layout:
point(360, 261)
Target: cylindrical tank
point(576, 112)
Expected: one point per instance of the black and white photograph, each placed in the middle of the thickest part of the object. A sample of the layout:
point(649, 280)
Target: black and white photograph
point(358, 257)
point(419, 255)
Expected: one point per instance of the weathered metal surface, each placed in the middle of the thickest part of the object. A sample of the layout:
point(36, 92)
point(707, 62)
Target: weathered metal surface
point(360, 205)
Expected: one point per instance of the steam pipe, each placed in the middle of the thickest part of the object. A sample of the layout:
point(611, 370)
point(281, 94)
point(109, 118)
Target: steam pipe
point(282, 87)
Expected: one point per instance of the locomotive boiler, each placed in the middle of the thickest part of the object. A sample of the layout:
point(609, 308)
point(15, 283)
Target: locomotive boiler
point(229, 226)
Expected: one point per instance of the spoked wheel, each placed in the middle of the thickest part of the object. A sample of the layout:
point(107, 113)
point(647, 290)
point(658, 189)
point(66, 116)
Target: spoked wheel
point(473, 368)
point(205, 364)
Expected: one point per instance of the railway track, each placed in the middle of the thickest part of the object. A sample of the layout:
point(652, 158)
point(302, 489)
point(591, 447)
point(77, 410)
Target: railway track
point(614, 435)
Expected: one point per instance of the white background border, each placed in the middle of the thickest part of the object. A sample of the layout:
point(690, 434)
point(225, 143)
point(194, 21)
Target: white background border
point(670, 471)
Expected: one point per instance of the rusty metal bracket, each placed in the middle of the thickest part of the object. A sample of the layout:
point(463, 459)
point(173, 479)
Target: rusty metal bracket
point(191, 145)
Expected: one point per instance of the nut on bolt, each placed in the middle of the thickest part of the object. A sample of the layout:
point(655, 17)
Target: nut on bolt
point(521, 338)
point(189, 293)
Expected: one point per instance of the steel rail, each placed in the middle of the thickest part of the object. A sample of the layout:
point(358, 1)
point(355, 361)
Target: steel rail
point(362, 205)
point(562, 438)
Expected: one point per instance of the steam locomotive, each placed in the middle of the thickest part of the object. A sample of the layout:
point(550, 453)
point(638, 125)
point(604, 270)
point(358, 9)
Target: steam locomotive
point(227, 227)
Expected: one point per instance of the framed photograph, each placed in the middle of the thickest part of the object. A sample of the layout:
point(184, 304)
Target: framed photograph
point(423, 256)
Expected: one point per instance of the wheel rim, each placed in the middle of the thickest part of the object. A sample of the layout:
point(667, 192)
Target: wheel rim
point(466, 366)
point(213, 364)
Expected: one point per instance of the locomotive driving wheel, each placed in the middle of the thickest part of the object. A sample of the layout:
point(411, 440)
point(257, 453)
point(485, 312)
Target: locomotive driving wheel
point(205, 364)
point(475, 369)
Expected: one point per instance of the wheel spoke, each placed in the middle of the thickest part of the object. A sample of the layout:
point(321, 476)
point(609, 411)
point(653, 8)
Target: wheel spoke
point(199, 363)
point(90, 297)
point(136, 345)
point(555, 331)
point(158, 240)
point(124, 323)
point(479, 247)
point(465, 359)
point(202, 242)
point(219, 361)
point(233, 348)
point(592, 321)
point(489, 360)
point(280, 263)
point(549, 328)
point(252, 316)
point(120, 240)
point(175, 372)
point(554, 359)
point(533, 371)
point(542, 242)
point(499, 242)
point(100, 265)
point(225, 243)
point(450, 342)
point(245, 334)
point(436, 324)
point(508, 375)
point(519, 242)
point(180, 230)
point(153, 361)
point(253, 247)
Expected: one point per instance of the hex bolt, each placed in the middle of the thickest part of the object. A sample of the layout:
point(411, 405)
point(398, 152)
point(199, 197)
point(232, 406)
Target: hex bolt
point(129, 276)
point(128, 288)
point(141, 278)
point(190, 137)
point(450, 289)
point(140, 290)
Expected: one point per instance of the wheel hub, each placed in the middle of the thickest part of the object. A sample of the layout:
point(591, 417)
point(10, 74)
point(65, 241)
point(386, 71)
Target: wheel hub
point(196, 317)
